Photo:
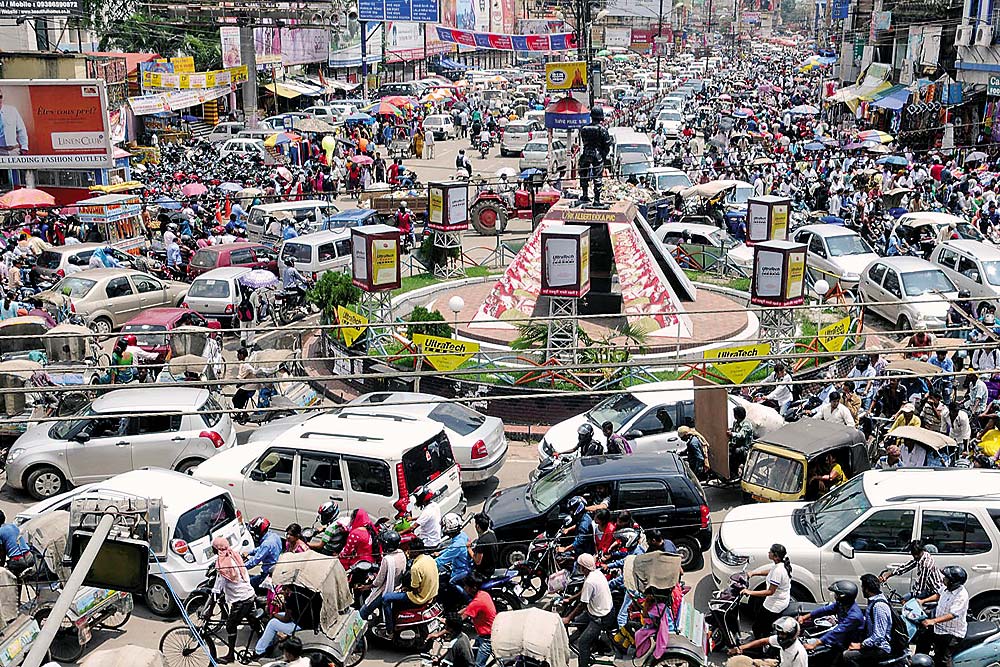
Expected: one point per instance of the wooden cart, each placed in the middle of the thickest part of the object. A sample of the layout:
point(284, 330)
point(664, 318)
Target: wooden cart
point(386, 203)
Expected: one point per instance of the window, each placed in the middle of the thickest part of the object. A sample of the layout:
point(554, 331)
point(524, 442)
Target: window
point(300, 251)
point(265, 254)
point(649, 423)
point(118, 287)
point(154, 424)
point(200, 521)
point(327, 252)
point(147, 285)
point(369, 476)
point(892, 283)
point(954, 533)
point(816, 246)
point(457, 417)
point(242, 256)
point(947, 258)
point(320, 471)
point(343, 247)
point(211, 412)
point(106, 427)
point(888, 531)
point(876, 273)
point(209, 288)
point(205, 259)
point(425, 463)
point(275, 466)
point(773, 472)
point(967, 268)
point(643, 495)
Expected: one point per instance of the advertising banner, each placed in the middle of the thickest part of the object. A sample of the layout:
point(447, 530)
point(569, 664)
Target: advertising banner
point(487, 40)
point(117, 123)
point(649, 9)
point(267, 44)
point(174, 100)
point(795, 278)
point(416, 11)
point(345, 45)
point(727, 360)
point(352, 324)
point(561, 77)
point(300, 46)
point(195, 80)
point(54, 124)
point(445, 354)
point(833, 336)
point(229, 38)
point(767, 274)
point(385, 260)
point(617, 38)
point(16, 9)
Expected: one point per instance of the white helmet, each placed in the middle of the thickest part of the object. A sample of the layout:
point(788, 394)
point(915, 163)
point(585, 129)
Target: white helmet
point(451, 524)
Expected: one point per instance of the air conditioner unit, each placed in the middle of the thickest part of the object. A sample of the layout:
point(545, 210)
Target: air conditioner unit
point(963, 36)
point(984, 35)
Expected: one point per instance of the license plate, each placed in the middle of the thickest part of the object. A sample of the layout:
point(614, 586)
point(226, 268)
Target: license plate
point(434, 625)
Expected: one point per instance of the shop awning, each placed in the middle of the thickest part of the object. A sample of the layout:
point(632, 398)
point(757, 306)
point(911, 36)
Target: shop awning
point(873, 81)
point(893, 97)
point(453, 64)
point(282, 90)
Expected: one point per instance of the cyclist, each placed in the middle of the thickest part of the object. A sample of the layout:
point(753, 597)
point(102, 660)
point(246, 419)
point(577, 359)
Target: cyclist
point(233, 581)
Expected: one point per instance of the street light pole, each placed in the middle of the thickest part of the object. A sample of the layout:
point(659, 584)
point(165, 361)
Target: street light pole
point(659, 42)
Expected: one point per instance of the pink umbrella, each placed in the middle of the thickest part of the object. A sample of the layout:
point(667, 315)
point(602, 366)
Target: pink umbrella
point(27, 198)
point(361, 159)
point(284, 173)
point(194, 189)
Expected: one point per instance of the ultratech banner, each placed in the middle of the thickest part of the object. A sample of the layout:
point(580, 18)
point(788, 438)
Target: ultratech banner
point(726, 360)
point(445, 354)
point(832, 336)
point(352, 324)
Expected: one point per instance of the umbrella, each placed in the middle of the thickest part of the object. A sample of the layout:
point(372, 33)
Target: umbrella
point(361, 159)
point(875, 135)
point(360, 118)
point(975, 156)
point(853, 145)
point(829, 141)
point(877, 148)
point(189, 118)
point(230, 187)
point(284, 173)
point(313, 125)
point(281, 138)
point(603, 52)
point(258, 278)
point(897, 160)
point(194, 189)
point(27, 198)
point(386, 109)
point(167, 203)
point(814, 146)
point(249, 193)
point(509, 171)
point(743, 113)
point(725, 98)
point(398, 100)
point(763, 160)
point(805, 110)
point(620, 57)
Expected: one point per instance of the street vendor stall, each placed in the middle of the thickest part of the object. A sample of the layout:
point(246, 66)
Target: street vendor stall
point(118, 219)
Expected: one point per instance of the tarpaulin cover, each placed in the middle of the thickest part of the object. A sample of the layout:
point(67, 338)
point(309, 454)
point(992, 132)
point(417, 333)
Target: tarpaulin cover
point(48, 533)
point(320, 574)
point(656, 569)
point(535, 633)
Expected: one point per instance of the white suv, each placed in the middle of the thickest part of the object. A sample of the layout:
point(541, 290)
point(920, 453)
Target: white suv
point(865, 525)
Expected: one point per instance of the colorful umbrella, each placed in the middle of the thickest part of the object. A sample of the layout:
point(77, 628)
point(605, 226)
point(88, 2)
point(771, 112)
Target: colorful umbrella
point(194, 189)
point(398, 100)
point(280, 138)
point(230, 187)
point(897, 160)
point(814, 146)
point(359, 117)
point(805, 110)
point(875, 135)
point(27, 198)
point(387, 109)
point(284, 173)
point(258, 278)
point(167, 203)
point(361, 159)
point(620, 57)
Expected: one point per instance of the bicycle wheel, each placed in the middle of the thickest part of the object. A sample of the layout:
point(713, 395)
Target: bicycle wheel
point(415, 660)
point(66, 646)
point(181, 648)
point(117, 618)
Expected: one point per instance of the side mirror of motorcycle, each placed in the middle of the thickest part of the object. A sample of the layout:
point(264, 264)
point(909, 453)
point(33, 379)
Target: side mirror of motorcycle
point(845, 549)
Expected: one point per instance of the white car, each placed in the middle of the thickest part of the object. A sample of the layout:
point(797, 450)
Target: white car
point(670, 121)
point(908, 291)
point(663, 179)
point(225, 131)
point(539, 154)
point(675, 233)
point(441, 125)
point(865, 525)
point(516, 136)
point(253, 147)
point(836, 253)
point(277, 123)
point(974, 266)
point(335, 114)
point(193, 514)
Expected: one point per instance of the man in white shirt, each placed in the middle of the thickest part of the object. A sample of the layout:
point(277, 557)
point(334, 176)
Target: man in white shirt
point(782, 392)
point(427, 525)
point(595, 599)
point(836, 412)
point(791, 652)
point(13, 133)
point(949, 620)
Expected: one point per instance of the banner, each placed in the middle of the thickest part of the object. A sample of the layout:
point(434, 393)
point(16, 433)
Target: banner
point(345, 45)
point(353, 324)
point(267, 44)
point(195, 80)
point(229, 38)
point(832, 336)
point(183, 64)
point(300, 46)
point(416, 11)
point(54, 124)
point(737, 371)
point(488, 40)
point(445, 354)
point(617, 38)
point(117, 123)
point(565, 76)
point(174, 100)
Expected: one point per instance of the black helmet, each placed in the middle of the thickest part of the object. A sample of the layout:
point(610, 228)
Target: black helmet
point(629, 537)
point(390, 540)
point(954, 576)
point(597, 115)
point(585, 430)
point(921, 660)
point(964, 294)
point(787, 630)
point(845, 592)
point(328, 512)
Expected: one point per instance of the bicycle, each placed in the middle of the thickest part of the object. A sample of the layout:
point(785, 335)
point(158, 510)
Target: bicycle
point(181, 647)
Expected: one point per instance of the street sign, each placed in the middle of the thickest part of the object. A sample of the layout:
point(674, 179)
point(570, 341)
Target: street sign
point(415, 11)
point(993, 87)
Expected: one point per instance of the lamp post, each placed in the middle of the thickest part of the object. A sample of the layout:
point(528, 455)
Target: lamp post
point(819, 289)
point(455, 305)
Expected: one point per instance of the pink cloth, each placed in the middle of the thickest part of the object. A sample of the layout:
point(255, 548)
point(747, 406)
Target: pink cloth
point(230, 563)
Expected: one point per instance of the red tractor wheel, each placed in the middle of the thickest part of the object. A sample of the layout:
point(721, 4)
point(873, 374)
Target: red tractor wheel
point(489, 217)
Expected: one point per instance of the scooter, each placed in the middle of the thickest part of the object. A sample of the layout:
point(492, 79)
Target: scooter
point(980, 646)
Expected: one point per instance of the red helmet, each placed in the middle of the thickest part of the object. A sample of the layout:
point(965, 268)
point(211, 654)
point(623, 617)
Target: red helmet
point(130, 339)
point(258, 527)
point(422, 495)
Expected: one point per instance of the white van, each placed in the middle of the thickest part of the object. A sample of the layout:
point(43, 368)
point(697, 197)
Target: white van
point(441, 125)
point(292, 466)
point(310, 211)
point(243, 146)
point(194, 512)
point(631, 148)
point(315, 254)
point(225, 131)
point(216, 293)
point(974, 266)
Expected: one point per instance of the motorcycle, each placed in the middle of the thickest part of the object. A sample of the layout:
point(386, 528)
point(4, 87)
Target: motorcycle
point(541, 560)
point(979, 647)
point(484, 149)
point(290, 305)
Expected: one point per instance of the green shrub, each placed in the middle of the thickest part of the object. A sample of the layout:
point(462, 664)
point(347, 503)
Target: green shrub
point(331, 290)
point(429, 323)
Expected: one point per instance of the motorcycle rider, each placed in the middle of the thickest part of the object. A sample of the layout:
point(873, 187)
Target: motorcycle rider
point(269, 548)
point(876, 646)
point(456, 558)
point(138, 354)
point(926, 580)
point(791, 652)
point(292, 281)
point(481, 611)
point(332, 538)
point(421, 589)
point(15, 554)
point(360, 540)
point(949, 622)
point(850, 618)
point(484, 142)
point(740, 441)
point(583, 526)
point(404, 223)
point(594, 598)
point(585, 442)
point(484, 550)
point(390, 572)
point(427, 525)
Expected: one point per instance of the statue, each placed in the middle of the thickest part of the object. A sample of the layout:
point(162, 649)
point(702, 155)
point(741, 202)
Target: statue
point(596, 146)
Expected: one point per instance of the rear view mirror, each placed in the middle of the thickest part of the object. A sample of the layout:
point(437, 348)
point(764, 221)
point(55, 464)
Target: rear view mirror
point(845, 549)
point(82, 437)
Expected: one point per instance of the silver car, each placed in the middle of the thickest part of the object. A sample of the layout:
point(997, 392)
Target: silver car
point(836, 254)
point(537, 151)
point(910, 292)
point(120, 431)
point(517, 135)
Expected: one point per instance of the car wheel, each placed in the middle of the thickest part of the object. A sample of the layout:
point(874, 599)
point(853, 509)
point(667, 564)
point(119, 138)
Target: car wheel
point(986, 609)
point(185, 467)
point(101, 326)
point(158, 598)
point(513, 554)
point(45, 482)
point(690, 552)
point(903, 325)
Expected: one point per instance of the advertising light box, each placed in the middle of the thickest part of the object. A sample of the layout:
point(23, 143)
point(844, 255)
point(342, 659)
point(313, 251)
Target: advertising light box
point(767, 218)
point(565, 261)
point(779, 269)
point(375, 257)
point(448, 206)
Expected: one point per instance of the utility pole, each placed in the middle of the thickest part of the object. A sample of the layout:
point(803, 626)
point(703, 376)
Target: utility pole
point(248, 55)
point(364, 59)
point(659, 45)
point(708, 28)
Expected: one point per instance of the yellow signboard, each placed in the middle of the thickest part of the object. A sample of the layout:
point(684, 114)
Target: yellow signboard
point(832, 336)
point(726, 360)
point(183, 64)
point(384, 261)
point(352, 324)
point(435, 205)
point(565, 76)
point(779, 222)
point(445, 354)
point(794, 280)
point(195, 80)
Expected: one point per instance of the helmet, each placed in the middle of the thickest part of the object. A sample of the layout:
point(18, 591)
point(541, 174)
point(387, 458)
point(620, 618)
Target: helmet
point(451, 524)
point(328, 512)
point(172, 226)
point(576, 505)
point(289, 261)
point(844, 591)
point(629, 537)
point(130, 339)
point(258, 527)
point(390, 540)
point(921, 660)
point(954, 576)
point(585, 430)
point(597, 115)
point(422, 495)
point(964, 294)
point(787, 630)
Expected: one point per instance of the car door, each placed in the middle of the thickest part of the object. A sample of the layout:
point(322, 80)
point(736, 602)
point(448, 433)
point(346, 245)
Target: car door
point(369, 485)
point(106, 451)
point(650, 501)
point(267, 487)
point(242, 257)
point(820, 258)
point(971, 277)
point(156, 440)
point(648, 434)
point(152, 293)
point(871, 287)
point(320, 480)
point(963, 538)
point(264, 258)
point(892, 291)
point(879, 541)
point(123, 302)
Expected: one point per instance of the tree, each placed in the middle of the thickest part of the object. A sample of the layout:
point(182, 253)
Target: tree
point(141, 32)
point(331, 290)
point(429, 323)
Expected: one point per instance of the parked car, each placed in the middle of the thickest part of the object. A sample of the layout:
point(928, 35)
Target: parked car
point(249, 147)
point(478, 441)
point(539, 154)
point(516, 136)
point(659, 490)
point(319, 252)
point(925, 286)
point(249, 255)
point(662, 179)
point(53, 263)
point(194, 513)
point(866, 524)
point(151, 327)
point(441, 125)
point(974, 266)
point(836, 253)
point(334, 114)
point(225, 131)
point(132, 432)
point(216, 293)
point(108, 298)
point(290, 467)
point(277, 123)
point(674, 233)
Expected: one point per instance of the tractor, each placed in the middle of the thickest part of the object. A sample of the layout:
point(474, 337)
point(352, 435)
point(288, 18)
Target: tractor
point(490, 211)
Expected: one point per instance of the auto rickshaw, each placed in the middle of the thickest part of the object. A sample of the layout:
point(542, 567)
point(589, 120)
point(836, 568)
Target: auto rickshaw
point(940, 450)
point(21, 406)
point(72, 357)
point(20, 337)
point(190, 341)
point(781, 463)
point(530, 636)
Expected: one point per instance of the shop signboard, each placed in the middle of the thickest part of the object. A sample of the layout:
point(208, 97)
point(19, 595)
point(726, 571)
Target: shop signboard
point(416, 11)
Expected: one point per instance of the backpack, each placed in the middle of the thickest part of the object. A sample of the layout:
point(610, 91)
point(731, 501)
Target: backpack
point(899, 637)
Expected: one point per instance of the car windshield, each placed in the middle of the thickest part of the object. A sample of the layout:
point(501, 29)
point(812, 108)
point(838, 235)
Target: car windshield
point(516, 129)
point(146, 334)
point(458, 418)
point(922, 282)
point(209, 289)
point(205, 259)
point(619, 410)
point(773, 472)
point(62, 430)
point(638, 167)
point(74, 287)
point(536, 147)
point(666, 181)
point(49, 260)
point(848, 244)
point(670, 115)
point(200, 521)
point(838, 509)
point(552, 488)
point(992, 270)
point(643, 149)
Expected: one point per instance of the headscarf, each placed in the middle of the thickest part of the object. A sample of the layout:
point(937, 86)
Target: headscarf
point(230, 563)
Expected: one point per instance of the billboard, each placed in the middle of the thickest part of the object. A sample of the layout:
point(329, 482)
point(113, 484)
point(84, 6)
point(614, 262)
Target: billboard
point(565, 76)
point(40, 8)
point(47, 124)
point(304, 45)
point(229, 38)
point(617, 38)
point(418, 11)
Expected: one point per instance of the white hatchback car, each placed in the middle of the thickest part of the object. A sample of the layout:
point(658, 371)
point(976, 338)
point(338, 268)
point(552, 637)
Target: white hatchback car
point(836, 253)
point(516, 136)
point(908, 291)
point(441, 125)
point(539, 154)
